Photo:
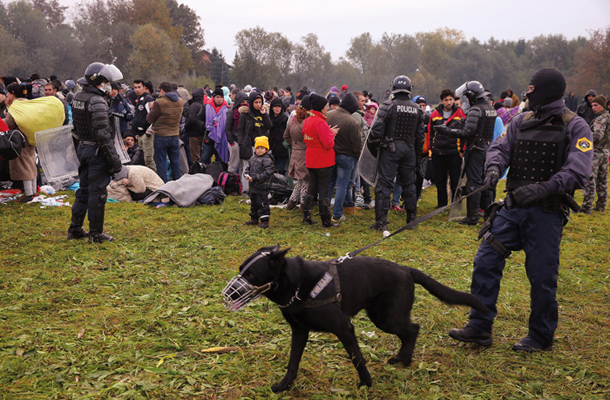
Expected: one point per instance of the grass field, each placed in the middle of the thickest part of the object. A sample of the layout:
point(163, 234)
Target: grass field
point(132, 319)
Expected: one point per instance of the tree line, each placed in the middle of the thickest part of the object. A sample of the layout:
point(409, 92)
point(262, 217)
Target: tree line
point(164, 40)
point(433, 60)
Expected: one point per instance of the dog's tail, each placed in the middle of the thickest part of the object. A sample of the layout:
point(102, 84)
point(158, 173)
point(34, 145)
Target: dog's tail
point(445, 293)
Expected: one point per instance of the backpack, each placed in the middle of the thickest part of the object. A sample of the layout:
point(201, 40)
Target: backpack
point(280, 191)
point(212, 196)
point(230, 183)
point(214, 170)
point(198, 167)
point(11, 144)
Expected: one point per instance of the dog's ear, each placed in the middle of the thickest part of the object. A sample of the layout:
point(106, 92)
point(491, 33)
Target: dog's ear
point(276, 258)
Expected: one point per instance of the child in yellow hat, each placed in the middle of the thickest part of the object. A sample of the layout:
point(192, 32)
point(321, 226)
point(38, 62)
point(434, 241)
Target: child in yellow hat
point(259, 172)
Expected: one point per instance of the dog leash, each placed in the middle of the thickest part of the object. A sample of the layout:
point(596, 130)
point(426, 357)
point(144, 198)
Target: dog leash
point(411, 225)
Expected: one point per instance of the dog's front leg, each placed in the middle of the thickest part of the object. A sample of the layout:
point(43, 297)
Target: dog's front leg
point(347, 336)
point(299, 340)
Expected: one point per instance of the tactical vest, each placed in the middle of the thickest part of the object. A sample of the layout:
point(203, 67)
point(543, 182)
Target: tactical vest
point(81, 116)
point(404, 120)
point(487, 123)
point(539, 152)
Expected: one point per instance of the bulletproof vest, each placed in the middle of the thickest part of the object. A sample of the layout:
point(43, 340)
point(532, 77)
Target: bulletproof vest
point(487, 122)
point(539, 150)
point(404, 120)
point(81, 116)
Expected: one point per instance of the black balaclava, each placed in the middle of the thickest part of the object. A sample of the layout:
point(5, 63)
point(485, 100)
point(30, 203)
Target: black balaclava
point(549, 86)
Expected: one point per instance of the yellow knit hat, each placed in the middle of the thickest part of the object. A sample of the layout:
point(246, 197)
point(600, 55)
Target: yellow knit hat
point(261, 141)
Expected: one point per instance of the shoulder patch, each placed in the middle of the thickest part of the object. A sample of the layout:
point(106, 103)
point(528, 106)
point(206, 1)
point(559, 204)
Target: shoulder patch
point(584, 145)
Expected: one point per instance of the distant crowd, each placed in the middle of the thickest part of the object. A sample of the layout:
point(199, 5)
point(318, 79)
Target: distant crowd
point(170, 131)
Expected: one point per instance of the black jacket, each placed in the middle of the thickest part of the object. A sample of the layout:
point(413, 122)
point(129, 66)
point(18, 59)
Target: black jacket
point(136, 154)
point(276, 133)
point(194, 126)
point(260, 170)
point(251, 124)
point(138, 123)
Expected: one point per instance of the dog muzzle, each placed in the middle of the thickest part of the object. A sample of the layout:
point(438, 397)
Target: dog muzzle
point(239, 292)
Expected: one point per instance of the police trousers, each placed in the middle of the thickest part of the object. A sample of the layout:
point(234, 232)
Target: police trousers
point(538, 233)
point(90, 198)
point(399, 165)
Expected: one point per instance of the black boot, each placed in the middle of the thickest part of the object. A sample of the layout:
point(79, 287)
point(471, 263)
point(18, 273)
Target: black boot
point(472, 210)
point(325, 213)
point(307, 209)
point(470, 335)
point(411, 216)
point(381, 216)
point(77, 233)
point(96, 223)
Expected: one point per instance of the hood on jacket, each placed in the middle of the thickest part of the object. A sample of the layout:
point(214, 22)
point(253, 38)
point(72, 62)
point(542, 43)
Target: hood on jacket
point(173, 96)
point(198, 94)
point(240, 97)
point(277, 102)
point(349, 103)
point(253, 96)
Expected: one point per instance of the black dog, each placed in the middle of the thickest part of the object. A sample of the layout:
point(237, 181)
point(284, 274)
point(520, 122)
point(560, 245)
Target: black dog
point(341, 289)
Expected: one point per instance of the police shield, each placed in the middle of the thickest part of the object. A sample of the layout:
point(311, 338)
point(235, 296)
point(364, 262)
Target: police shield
point(57, 153)
point(367, 163)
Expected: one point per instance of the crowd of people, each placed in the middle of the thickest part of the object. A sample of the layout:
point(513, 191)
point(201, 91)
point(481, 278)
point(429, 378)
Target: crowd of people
point(223, 123)
point(547, 144)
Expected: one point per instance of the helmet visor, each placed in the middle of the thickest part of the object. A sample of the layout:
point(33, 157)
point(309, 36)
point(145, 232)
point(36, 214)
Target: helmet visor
point(111, 72)
point(461, 90)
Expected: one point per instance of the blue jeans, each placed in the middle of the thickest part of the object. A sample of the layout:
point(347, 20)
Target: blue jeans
point(167, 146)
point(342, 175)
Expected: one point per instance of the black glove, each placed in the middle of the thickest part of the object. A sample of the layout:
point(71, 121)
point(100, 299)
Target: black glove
point(492, 176)
point(440, 128)
point(526, 195)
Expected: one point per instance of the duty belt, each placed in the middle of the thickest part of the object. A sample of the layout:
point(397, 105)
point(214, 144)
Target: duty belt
point(87, 143)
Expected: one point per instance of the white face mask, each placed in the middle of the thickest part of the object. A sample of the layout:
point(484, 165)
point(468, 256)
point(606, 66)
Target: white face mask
point(106, 87)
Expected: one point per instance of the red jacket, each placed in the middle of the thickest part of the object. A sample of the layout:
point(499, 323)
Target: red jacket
point(320, 141)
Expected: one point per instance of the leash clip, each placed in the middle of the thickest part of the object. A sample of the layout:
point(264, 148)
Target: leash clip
point(345, 257)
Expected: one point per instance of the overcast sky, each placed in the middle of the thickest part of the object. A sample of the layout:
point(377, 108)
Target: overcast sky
point(337, 21)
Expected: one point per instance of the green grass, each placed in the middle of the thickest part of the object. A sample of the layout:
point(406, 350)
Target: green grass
point(129, 319)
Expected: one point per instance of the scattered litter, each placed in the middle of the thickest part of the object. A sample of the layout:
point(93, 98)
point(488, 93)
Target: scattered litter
point(369, 334)
point(57, 201)
point(327, 234)
point(48, 190)
point(219, 350)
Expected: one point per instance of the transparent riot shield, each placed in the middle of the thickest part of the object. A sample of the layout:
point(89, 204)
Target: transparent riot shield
point(57, 154)
point(367, 163)
point(118, 141)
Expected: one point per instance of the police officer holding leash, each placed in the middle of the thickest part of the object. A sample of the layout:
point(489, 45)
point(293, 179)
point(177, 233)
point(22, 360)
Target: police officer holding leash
point(95, 150)
point(549, 151)
point(478, 130)
point(399, 132)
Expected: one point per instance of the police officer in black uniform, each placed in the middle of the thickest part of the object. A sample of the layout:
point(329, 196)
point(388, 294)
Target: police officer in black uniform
point(95, 150)
point(478, 131)
point(549, 152)
point(400, 130)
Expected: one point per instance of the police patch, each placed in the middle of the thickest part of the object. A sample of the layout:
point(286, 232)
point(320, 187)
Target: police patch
point(584, 145)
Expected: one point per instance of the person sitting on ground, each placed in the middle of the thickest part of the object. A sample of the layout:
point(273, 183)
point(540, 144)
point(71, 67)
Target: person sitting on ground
point(133, 183)
point(134, 151)
point(259, 171)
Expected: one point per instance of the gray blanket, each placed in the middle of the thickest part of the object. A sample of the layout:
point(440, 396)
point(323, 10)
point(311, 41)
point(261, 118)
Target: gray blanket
point(184, 192)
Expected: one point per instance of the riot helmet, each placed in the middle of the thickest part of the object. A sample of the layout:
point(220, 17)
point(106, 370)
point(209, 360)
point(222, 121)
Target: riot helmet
point(96, 73)
point(401, 84)
point(473, 90)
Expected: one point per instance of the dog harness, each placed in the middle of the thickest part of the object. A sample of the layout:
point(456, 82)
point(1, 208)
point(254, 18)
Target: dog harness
point(331, 274)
